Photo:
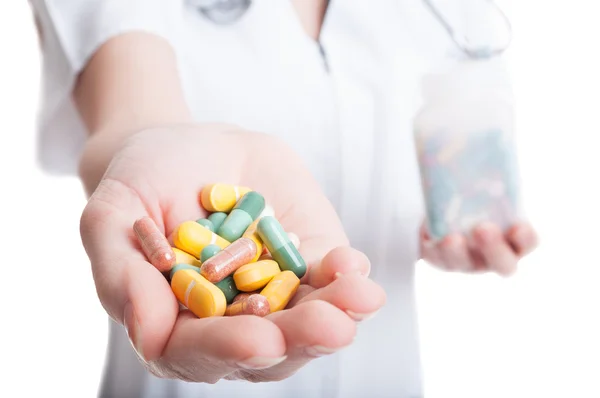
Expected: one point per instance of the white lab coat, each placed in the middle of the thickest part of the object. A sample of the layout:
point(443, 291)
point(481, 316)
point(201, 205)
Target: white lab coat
point(345, 106)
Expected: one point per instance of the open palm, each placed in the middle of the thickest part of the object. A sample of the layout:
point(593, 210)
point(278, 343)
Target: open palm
point(160, 173)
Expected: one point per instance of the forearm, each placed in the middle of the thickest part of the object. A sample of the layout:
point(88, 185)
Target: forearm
point(130, 84)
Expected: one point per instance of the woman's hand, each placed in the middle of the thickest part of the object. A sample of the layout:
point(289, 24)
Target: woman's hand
point(160, 173)
point(488, 249)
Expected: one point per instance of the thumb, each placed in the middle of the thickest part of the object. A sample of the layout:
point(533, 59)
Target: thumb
point(133, 292)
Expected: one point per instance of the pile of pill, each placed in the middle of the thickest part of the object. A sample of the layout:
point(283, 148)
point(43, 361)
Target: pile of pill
point(468, 179)
point(237, 261)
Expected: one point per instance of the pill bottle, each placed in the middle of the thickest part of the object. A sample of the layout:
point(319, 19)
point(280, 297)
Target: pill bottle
point(464, 137)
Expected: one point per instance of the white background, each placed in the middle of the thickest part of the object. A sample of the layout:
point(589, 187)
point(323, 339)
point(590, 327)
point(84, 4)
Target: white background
point(534, 335)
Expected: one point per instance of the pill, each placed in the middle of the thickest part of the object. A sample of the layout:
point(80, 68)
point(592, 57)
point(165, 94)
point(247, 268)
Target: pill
point(255, 276)
point(217, 219)
point(208, 252)
point(228, 260)
point(242, 296)
point(243, 214)
point(280, 247)
point(206, 224)
point(182, 257)
point(192, 237)
point(154, 244)
point(280, 290)
point(201, 297)
point(221, 197)
point(253, 305)
point(228, 288)
point(179, 267)
point(252, 234)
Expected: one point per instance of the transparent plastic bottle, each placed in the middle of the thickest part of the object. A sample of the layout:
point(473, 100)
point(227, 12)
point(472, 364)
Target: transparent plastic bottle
point(464, 135)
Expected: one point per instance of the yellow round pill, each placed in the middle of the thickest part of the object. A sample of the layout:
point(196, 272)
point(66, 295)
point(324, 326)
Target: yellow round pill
point(199, 295)
point(256, 275)
point(280, 290)
point(221, 197)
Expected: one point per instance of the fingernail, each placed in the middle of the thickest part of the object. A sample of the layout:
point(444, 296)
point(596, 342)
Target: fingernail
point(361, 317)
point(354, 271)
point(319, 351)
point(133, 330)
point(257, 363)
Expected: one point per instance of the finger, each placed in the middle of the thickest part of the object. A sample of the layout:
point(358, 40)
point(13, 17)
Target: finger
point(494, 249)
point(523, 239)
point(358, 296)
point(208, 349)
point(340, 261)
point(132, 291)
point(429, 250)
point(303, 291)
point(454, 251)
point(311, 329)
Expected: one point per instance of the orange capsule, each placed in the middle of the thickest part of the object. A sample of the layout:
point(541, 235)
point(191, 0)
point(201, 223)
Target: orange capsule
point(255, 304)
point(154, 244)
point(228, 260)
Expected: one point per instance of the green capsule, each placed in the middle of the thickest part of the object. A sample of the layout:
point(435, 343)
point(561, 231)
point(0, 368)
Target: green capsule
point(246, 210)
point(208, 252)
point(281, 248)
point(217, 219)
point(228, 287)
point(178, 267)
point(206, 224)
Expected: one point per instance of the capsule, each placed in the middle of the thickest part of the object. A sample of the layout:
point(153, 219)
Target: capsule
point(154, 244)
point(280, 247)
point(280, 290)
point(228, 260)
point(228, 288)
point(179, 267)
point(199, 295)
point(252, 234)
point(206, 224)
point(182, 257)
point(255, 276)
point(217, 219)
point(243, 214)
point(192, 237)
point(209, 251)
point(221, 197)
point(253, 305)
point(242, 296)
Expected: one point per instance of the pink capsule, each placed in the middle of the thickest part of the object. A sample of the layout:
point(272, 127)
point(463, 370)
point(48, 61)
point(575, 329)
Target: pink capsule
point(154, 244)
point(245, 295)
point(228, 260)
point(255, 304)
point(241, 296)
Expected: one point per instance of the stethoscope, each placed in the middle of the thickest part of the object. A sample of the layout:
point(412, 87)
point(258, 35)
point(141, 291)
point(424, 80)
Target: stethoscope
point(227, 11)
point(462, 40)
